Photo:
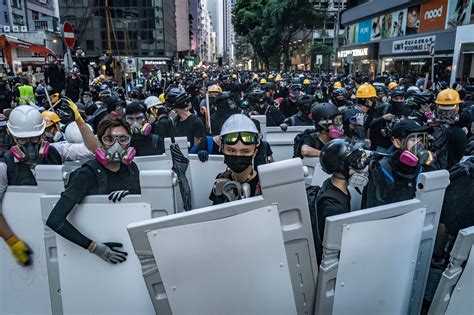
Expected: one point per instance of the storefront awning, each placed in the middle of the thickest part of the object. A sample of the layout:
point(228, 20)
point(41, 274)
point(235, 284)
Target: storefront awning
point(7, 43)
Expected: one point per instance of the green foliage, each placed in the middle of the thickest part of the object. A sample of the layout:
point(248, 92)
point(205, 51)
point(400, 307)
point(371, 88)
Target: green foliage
point(321, 49)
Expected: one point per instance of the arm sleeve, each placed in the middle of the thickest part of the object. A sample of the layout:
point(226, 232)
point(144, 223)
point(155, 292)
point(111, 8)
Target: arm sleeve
point(72, 151)
point(3, 180)
point(199, 130)
point(58, 222)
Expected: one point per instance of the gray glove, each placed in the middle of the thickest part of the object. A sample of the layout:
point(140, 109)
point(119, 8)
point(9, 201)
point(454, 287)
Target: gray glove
point(118, 195)
point(107, 252)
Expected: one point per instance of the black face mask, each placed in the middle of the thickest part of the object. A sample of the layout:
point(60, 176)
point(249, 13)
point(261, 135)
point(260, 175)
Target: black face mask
point(238, 163)
point(397, 106)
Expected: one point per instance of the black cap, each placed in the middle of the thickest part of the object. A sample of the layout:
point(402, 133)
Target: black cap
point(407, 126)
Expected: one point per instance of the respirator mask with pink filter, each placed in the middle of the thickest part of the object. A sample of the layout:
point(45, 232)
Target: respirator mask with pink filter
point(333, 126)
point(416, 150)
point(116, 152)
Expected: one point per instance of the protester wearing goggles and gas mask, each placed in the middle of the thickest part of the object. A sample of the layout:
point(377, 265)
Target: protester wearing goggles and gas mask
point(239, 144)
point(160, 121)
point(393, 178)
point(346, 162)
point(144, 142)
point(112, 172)
point(289, 106)
point(449, 135)
point(29, 149)
point(339, 99)
point(261, 107)
point(52, 132)
point(385, 118)
point(225, 107)
point(303, 117)
point(422, 108)
point(328, 126)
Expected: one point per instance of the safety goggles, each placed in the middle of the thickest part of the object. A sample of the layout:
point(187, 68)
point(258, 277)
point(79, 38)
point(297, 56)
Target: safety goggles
point(417, 143)
point(244, 137)
point(357, 159)
point(110, 139)
point(132, 119)
point(23, 141)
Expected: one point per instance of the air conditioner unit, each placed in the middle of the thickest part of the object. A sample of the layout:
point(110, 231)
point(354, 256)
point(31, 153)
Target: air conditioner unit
point(15, 28)
point(24, 29)
point(6, 29)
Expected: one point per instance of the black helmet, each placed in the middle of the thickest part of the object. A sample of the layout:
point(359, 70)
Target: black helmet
point(323, 111)
point(339, 92)
point(104, 95)
point(269, 86)
point(223, 96)
point(134, 93)
point(256, 96)
point(398, 92)
point(339, 154)
point(176, 98)
point(423, 98)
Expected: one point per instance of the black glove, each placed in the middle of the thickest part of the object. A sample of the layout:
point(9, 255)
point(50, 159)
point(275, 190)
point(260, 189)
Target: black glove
point(107, 252)
point(203, 156)
point(118, 195)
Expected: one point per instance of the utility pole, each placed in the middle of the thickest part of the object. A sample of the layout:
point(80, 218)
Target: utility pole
point(107, 24)
point(335, 42)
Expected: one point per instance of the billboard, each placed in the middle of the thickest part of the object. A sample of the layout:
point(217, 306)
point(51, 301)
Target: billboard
point(413, 20)
point(351, 34)
point(364, 31)
point(376, 28)
point(433, 15)
point(394, 24)
point(459, 13)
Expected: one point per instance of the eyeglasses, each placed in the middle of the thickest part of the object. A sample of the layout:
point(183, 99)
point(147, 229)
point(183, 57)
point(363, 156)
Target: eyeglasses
point(132, 119)
point(245, 137)
point(110, 139)
point(22, 141)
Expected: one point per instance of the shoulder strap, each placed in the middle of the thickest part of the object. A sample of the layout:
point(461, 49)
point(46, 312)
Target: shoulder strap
point(386, 170)
point(154, 141)
point(210, 144)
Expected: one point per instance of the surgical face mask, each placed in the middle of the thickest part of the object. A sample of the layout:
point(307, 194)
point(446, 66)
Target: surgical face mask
point(360, 179)
point(238, 164)
point(53, 136)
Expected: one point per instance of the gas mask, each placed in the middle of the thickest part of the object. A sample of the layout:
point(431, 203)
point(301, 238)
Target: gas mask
point(449, 116)
point(232, 105)
point(335, 132)
point(53, 136)
point(418, 153)
point(30, 152)
point(231, 190)
point(141, 129)
point(115, 154)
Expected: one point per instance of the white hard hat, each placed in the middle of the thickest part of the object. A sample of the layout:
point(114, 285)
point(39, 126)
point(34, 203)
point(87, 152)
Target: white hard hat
point(152, 101)
point(73, 134)
point(238, 123)
point(414, 89)
point(25, 121)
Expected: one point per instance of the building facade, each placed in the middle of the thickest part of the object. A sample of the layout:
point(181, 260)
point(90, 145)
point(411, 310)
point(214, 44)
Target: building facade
point(403, 37)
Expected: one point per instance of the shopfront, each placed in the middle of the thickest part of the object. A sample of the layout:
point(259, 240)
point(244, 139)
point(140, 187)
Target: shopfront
point(149, 65)
point(413, 55)
point(463, 59)
point(361, 58)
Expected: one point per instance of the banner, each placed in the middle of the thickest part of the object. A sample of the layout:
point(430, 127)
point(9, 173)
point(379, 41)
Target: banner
point(413, 20)
point(433, 15)
point(364, 31)
point(413, 45)
point(376, 28)
point(351, 33)
point(394, 24)
point(459, 13)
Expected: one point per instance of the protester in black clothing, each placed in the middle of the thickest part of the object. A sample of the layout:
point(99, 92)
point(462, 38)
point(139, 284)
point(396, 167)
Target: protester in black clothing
point(422, 112)
point(162, 124)
point(54, 77)
point(303, 117)
point(257, 101)
point(225, 107)
point(289, 106)
point(112, 172)
point(73, 85)
point(144, 142)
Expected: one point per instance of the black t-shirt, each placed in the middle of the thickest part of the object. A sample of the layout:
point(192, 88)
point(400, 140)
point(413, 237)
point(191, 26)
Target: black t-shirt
point(313, 141)
point(164, 127)
point(84, 183)
point(192, 127)
point(149, 145)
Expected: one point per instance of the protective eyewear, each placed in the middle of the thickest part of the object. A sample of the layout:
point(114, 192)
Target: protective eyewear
point(417, 143)
point(357, 159)
point(245, 137)
point(110, 139)
point(23, 141)
point(132, 119)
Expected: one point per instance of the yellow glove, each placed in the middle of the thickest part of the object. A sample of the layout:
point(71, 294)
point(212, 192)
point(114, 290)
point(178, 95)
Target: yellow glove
point(20, 250)
point(75, 110)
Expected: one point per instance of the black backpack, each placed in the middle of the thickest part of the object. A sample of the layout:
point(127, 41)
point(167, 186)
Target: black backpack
point(298, 142)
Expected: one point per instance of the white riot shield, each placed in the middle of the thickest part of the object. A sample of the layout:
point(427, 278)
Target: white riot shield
point(158, 191)
point(282, 183)
point(454, 293)
point(183, 145)
point(367, 259)
point(203, 175)
point(262, 119)
point(153, 162)
point(282, 141)
point(24, 290)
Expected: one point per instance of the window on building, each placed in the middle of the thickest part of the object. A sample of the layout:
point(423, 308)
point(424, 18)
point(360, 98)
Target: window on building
point(90, 45)
point(16, 4)
point(17, 19)
point(35, 15)
point(6, 17)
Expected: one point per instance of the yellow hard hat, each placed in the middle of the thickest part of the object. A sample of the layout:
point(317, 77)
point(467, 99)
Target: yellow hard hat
point(234, 76)
point(278, 77)
point(337, 85)
point(306, 82)
point(214, 89)
point(102, 77)
point(392, 85)
point(204, 75)
point(263, 81)
point(162, 97)
point(54, 98)
point(448, 97)
point(177, 74)
point(270, 76)
point(366, 91)
point(50, 118)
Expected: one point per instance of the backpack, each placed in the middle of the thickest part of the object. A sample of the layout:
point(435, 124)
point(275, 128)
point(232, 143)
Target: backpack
point(298, 142)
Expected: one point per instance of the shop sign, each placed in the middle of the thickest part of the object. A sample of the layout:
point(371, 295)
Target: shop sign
point(358, 52)
point(154, 62)
point(364, 31)
point(413, 45)
point(459, 14)
point(433, 15)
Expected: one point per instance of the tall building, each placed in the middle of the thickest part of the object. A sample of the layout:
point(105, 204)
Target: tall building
point(143, 28)
point(182, 26)
point(216, 11)
point(201, 29)
point(228, 31)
